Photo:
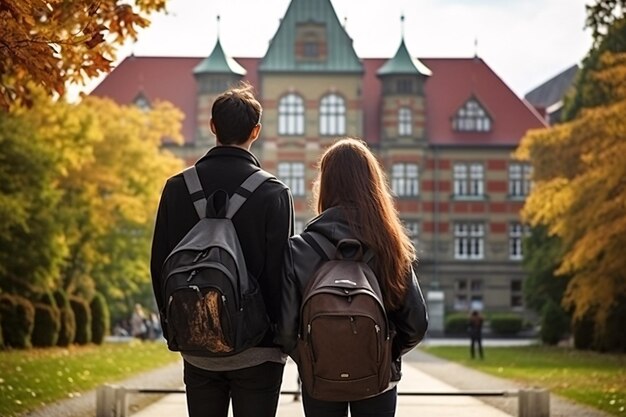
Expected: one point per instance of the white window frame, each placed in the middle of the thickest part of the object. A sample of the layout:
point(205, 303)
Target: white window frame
point(468, 180)
point(405, 179)
point(332, 115)
point(293, 175)
point(520, 182)
point(471, 117)
point(291, 115)
point(469, 240)
point(405, 121)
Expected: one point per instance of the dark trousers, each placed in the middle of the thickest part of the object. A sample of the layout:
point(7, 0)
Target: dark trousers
point(383, 405)
point(254, 391)
point(476, 341)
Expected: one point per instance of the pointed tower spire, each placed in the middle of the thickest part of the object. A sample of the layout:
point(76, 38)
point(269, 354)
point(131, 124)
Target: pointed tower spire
point(218, 62)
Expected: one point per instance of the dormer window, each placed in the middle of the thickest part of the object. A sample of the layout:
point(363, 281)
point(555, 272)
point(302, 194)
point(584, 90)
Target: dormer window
point(310, 42)
point(471, 117)
point(142, 102)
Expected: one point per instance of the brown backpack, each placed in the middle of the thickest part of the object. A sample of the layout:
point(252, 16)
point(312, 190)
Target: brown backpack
point(344, 345)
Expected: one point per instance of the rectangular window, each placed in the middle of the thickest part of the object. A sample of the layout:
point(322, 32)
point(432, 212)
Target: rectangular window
point(292, 174)
point(468, 294)
point(469, 241)
point(517, 299)
point(404, 122)
point(519, 179)
point(405, 179)
point(516, 234)
point(469, 180)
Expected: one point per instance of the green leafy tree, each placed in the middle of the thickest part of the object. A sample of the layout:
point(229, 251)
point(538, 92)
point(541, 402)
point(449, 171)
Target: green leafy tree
point(30, 256)
point(542, 258)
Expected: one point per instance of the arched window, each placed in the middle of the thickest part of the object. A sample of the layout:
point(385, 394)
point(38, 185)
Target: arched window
point(291, 115)
point(332, 115)
point(405, 125)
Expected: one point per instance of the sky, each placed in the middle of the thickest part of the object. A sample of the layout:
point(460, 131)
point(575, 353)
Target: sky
point(526, 42)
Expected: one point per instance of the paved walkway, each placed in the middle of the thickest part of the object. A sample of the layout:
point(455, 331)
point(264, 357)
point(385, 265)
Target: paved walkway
point(408, 406)
point(421, 372)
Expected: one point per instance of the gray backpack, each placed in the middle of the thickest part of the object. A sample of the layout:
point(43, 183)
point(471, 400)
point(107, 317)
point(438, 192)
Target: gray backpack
point(213, 307)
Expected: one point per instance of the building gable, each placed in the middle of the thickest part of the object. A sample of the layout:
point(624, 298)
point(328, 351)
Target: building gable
point(311, 38)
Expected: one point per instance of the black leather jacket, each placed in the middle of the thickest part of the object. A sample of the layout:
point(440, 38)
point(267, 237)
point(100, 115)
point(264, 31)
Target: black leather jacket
point(410, 321)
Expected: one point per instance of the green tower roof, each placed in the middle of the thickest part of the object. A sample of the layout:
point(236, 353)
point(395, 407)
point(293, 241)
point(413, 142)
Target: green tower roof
point(218, 63)
point(403, 64)
point(339, 55)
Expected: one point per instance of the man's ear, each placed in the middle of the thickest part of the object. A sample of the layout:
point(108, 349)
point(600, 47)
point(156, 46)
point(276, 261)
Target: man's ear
point(256, 131)
point(212, 126)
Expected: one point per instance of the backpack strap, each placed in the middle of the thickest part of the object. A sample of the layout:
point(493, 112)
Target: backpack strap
point(245, 190)
point(196, 192)
point(326, 249)
point(320, 243)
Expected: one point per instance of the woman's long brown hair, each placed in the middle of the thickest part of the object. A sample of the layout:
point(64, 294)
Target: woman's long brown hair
point(351, 177)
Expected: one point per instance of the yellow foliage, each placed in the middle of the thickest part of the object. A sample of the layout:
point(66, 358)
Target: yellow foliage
point(579, 193)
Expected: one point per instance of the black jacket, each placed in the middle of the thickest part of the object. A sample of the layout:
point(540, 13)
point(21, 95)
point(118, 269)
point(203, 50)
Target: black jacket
point(263, 223)
point(410, 321)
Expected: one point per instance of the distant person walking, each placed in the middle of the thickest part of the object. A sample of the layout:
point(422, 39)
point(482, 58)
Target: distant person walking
point(138, 323)
point(475, 329)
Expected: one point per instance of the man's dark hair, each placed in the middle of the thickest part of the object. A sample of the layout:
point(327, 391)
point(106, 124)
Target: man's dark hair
point(235, 113)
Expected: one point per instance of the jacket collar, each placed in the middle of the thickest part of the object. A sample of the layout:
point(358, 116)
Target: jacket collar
point(332, 223)
point(231, 151)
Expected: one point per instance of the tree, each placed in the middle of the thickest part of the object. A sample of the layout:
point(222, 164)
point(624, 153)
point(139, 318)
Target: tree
point(578, 168)
point(102, 166)
point(57, 41)
point(541, 260)
point(589, 91)
point(580, 195)
point(29, 255)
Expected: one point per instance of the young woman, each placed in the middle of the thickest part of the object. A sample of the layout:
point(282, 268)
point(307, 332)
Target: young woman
point(353, 201)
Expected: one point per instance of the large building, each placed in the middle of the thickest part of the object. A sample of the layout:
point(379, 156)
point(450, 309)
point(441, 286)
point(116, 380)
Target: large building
point(444, 129)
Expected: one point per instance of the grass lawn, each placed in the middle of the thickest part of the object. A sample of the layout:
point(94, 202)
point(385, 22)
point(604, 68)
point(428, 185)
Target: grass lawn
point(595, 379)
point(31, 378)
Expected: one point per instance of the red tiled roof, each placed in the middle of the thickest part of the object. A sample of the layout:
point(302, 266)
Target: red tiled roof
point(453, 82)
point(159, 78)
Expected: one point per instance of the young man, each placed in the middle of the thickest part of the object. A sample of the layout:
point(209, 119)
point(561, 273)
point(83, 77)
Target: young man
point(252, 378)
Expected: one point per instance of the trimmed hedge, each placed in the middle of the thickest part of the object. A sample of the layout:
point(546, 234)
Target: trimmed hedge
point(1, 338)
point(505, 323)
point(18, 319)
point(456, 323)
point(101, 319)
point(83, 320)
point(47, 325)
point(554, 323)
point(67, 333)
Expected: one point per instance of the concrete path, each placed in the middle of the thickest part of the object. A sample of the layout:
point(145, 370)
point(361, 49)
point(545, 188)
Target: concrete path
point(408, 406)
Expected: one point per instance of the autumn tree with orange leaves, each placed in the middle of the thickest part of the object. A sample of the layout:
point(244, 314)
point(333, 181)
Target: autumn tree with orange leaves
point(53, 42)
point(579, 193)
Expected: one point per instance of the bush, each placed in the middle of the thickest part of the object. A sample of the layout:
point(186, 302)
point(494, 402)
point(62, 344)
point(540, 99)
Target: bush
point(67, 333)
point(554, 323)
point(83, 320)
point(1, 338)
point(456, 323)
point(506, 324)
point(18, 318)
point(101, 320)
point(583, 330)
point(47, 325)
